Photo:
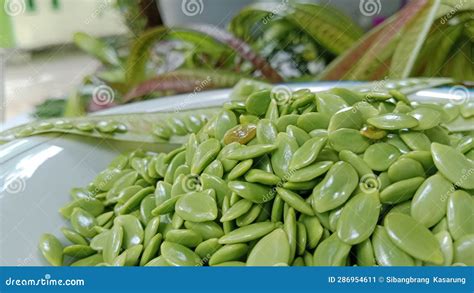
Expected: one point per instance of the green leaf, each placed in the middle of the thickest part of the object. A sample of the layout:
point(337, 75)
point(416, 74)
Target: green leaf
point(97, 48)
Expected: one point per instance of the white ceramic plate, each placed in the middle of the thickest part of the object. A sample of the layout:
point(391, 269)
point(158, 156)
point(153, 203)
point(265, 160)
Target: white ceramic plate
point(36, 174)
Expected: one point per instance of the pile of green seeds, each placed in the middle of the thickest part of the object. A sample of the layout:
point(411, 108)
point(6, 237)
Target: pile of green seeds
point(316, 179)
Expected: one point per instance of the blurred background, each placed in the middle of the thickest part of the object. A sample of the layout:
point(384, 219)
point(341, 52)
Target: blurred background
point(48, 69)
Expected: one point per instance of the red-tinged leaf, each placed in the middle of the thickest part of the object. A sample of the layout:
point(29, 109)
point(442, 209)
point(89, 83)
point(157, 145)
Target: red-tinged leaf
point(184, 81)
point(373, 43)
point(242, 48)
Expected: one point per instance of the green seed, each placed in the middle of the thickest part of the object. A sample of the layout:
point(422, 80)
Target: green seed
point(331, 252)
point(236, 210)
point(453, 165)
point(314, 230)
point(381, 156)
point(230, 252)
point(464, 250)
point(257, 103)
point(253, 192)
point(413, 238)
point(298, 134)
point(310, 172)
point(335, 189)
point(249, 152)
point(51, 249)
point(272, 249)
point(358, 218)
point(205, 154)
point(113, 244)
point(266, 132)
point(348, 139)
point(281, 157)
point(460, 211)
point(365, 253)
point(132, 230)
point(405, 168)
point(73, 236)
point(179, 255)
point(400, 191)
point(263, 177)
point(295, 201)
point(416, 141)
point(386, 252)
point(240, 169)
point(83, 222)
point(185, 237)
point(393, 121)
point(307, 153)
point(196, 207)
point(429, 202)
point(427, 118)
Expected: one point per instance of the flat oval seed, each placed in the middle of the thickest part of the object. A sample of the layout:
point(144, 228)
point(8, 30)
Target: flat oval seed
point(91, 205)
point(248, 233)
point(89, 261)
point(257, 103)
point(335, 189)
point(266, 132)
point(460, 211)
point(100, 240)
point(331, 252)
point(298, 134)
point(78, 251)
point(236, 210)
point(207, 248)
point(253, 192)
point(405, 168)
point(74, 237)
point(230, 252)
point(217, 184)
point(272, 249)
point(464, 250)
point(151, 230)
point(357, 162)
point(240, 169)
point(185, 237)
point(132, 230)
point(415, 140)
point(310, 172)
point(307, 153)
point(113, 244)
point(207, 230)
point(453, 165)
point(250, 216)
point(281, 157)
point(358, 218)
point(429, 202)
point(314, 230)
point(348, 139)
point(179, 255)
point(196, 207)
point(83, 222)
point(427, 118)
point(380, 156)
point(249, 152)
point(393, 121)
point(301, 238)
point(263, 177)
point(225, 121)
point(446, 244)
point(311, 121)
point(386, 252)
point(414, 238)
point(295, 201)
point(158, 262)
point(365, 253)
point(400, 191)
point(51, 249)
point(205, 154)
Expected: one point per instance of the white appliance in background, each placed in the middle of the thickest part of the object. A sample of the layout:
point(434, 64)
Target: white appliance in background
point(41, 23)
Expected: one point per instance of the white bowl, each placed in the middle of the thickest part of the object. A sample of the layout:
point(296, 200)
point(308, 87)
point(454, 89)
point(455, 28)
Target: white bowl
point(37, 173)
